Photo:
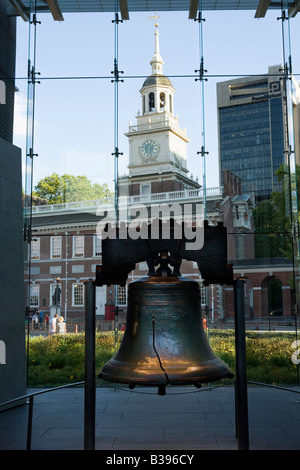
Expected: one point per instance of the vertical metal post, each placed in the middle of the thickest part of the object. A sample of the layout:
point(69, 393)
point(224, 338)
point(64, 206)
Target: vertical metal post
point(241, 368)
point(29, 427)
point(90, 382)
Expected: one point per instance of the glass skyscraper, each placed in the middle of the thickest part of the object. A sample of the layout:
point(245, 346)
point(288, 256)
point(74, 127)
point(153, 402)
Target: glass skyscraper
point(251, 120)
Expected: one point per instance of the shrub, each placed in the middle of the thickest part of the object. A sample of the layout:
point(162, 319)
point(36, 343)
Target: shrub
point(60, 359)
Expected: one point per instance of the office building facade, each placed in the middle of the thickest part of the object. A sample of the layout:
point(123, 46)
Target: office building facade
point(252, 126)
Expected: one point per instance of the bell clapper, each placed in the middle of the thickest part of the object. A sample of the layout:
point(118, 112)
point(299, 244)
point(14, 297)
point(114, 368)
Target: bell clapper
point(161, 390)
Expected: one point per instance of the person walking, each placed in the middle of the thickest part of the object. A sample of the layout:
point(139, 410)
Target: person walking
point(35, 320)
point(52, 324)
point(41, 319)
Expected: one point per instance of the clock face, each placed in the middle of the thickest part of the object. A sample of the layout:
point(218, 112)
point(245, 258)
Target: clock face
point(149, 150)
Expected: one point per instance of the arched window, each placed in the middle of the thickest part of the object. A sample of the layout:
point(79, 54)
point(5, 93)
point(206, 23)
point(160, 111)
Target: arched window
point(144, 104)
point(162, 101)
point(151, 101)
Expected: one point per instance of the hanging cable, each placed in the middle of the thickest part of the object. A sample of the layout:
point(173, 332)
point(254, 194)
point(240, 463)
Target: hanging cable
point(31, 76)
point(201, 78)
point(292, 196)
point(286, 75)
point(116, 72)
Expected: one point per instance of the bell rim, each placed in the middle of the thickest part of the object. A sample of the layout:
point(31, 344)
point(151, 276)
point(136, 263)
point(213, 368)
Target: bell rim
point(209, 371)
point(157, 379)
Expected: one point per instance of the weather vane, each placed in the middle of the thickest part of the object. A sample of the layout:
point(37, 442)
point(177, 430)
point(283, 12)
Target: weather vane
point(154, 17)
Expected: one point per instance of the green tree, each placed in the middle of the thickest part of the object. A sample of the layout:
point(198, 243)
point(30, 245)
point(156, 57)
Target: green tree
point(272, 218)
point(69, 188)
point(272, 237)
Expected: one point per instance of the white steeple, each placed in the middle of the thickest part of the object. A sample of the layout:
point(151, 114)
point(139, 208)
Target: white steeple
point(157, 90)
point(157, 144)
point(157, 62)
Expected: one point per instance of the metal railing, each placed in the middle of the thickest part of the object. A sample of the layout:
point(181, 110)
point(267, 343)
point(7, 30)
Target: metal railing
point(262, 324)
point(31, 396)
point(151, 123)
point(128, 200)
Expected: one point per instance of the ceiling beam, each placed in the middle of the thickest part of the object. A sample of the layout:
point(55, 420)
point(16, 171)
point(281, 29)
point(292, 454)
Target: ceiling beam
point(262, 8)
point(55, 10)
point(20, 9)
point(294, 9)
point(193, 9)
point(124, 9)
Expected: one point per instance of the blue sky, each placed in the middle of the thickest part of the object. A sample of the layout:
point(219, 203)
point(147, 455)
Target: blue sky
point(74, 117)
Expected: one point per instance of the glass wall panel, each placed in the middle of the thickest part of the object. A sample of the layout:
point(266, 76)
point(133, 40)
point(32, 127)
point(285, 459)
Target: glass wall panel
point(219, 132)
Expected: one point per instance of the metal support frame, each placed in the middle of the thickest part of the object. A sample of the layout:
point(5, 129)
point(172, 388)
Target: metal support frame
point(19, 8)
point(262, 8)
point(29, 424)
point(241, 399)
point(55, 10)
point(241, 396)
point(124, 9)
point(193, 9)
point(90, 380)
point(294, 9)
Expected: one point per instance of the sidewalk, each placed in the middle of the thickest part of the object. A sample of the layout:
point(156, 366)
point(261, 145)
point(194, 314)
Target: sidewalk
point(184, 419)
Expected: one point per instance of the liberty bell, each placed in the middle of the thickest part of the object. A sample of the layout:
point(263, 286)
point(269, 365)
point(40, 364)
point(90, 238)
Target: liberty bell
point(164, 341)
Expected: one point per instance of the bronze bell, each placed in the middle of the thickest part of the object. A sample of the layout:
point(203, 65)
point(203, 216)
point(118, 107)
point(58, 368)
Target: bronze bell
point(164, 341)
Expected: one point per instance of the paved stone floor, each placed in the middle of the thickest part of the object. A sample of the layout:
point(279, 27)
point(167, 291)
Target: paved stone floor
point(184, 419)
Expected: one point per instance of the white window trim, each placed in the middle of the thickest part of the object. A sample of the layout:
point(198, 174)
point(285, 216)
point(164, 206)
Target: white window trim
point(97, 243)
point(74, 246)
point(143, 186)
point(37, 243)
point(118, 304)
point(203, 293)
point(73, 294)
point(37, 287)
point(59, 238)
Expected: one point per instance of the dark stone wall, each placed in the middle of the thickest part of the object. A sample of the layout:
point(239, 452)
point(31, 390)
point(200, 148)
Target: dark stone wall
point(7, 69)
point(12, 313)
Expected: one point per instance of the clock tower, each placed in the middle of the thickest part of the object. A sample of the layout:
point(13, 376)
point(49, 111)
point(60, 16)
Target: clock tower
point(157, 145)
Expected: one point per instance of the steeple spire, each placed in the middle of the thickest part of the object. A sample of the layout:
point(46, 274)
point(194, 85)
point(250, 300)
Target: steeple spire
point(156, 61)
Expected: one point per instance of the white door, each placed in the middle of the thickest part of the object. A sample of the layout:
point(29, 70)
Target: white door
point(100, 300)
